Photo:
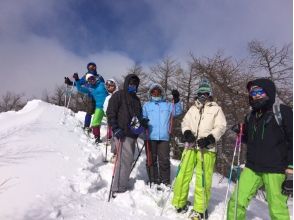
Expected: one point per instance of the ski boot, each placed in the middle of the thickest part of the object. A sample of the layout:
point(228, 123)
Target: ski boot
point(197, 215)
point(184, 209)
point(98, 140)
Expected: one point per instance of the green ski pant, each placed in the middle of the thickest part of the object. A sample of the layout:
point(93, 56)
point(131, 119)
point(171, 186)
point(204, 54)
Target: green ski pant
point(191, 159)
point(98, 115)
point(249, 183)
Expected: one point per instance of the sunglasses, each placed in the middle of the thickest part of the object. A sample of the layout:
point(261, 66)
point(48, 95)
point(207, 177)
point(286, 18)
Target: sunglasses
point(256, 92)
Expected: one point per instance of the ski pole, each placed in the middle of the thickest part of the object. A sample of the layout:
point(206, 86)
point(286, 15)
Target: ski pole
point(118, 147)
point(172, 118)
point(148, 152)
point(106, 144)
point(238, 169)
point(230, 176)
point(203, 183)
point(139, 154)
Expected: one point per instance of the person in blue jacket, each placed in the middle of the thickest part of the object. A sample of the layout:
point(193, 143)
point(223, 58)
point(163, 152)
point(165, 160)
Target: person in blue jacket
point(90, 101)
point(96, 88)
point(159, 112)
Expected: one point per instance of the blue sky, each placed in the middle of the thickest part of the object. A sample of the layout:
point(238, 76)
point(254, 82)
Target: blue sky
point(42, 41)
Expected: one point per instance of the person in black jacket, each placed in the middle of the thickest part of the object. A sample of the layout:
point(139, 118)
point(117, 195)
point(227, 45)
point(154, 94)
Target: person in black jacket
point(269, 153)
point(123, 114)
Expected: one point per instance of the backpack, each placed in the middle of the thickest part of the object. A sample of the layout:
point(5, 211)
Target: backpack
point(277, 114)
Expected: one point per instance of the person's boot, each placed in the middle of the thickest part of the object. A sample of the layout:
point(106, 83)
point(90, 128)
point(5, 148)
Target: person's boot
point(194, 215)
point(185, 208)
point(98, 140)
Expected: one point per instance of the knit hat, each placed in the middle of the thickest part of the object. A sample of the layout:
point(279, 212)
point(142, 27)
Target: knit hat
point(89, 64)
point(204, 87)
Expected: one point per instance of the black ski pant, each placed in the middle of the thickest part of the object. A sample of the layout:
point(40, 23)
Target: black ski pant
point(159, 169)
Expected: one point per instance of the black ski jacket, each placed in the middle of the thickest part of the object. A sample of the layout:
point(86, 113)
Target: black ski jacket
point(122, 107)
point(269, 146)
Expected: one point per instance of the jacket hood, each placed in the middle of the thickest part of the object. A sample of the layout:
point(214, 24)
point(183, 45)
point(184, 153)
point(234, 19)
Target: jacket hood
point(127, 80)
point(115, 82)
point(156, 85)
point(268, 86)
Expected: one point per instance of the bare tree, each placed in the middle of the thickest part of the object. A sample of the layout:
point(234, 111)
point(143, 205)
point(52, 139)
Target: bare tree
point(186, 84)
point(11, 101)
point(276, 64)
point(165, 74)
point(58, 97)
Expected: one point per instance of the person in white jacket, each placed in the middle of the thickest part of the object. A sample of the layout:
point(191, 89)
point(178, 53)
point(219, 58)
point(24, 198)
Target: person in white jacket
point(202, 126)
point(111, 87)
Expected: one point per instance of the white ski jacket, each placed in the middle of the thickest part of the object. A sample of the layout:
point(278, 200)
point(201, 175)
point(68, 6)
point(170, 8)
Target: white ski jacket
point(205, 120)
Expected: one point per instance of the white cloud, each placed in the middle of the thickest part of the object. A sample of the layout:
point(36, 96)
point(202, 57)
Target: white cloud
point(36, 64)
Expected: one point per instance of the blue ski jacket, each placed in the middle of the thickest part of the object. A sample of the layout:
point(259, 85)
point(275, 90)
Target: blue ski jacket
point(159, 114)
point(97, 91)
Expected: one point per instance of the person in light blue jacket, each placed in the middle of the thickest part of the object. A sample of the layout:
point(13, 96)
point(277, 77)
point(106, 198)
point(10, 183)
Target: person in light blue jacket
point(96, 88)
point(159, 113)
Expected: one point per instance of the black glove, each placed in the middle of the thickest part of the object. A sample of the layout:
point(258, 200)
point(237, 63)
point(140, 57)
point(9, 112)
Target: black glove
point(67, 81)
point(237, 128)
point(176, 95)
point(144, 122)
point(189, 137)
point(119, 133)
point(287, 186)
point(204, 142)
point(76, 76)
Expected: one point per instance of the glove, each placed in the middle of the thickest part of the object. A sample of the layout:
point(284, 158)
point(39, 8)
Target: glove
point(189, 137)
point(119, 133)
point(76, 76)
point(176, 95)
point(144, 122)
point(287, 185)
point(237, 128)
point(67, 81)
point(204, 142)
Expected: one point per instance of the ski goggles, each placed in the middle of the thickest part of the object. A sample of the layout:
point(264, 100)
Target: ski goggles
point(200, 94)
point(109, 83)
point(257, 91)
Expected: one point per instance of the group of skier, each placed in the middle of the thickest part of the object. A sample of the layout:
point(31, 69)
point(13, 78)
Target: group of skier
point(269, 141)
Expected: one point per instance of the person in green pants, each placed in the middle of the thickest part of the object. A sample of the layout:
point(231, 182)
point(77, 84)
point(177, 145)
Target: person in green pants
point(203, 125)
point(269, 153)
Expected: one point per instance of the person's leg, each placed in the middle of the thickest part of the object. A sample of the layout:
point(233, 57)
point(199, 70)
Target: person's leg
point(96, 122)
point(164, 162)
point(90, 109)
point(152, 170)
point(183, 178)
point(125, 157)
point(277, 202)
point(209, 161)
point(249, 183)
point(87, 121)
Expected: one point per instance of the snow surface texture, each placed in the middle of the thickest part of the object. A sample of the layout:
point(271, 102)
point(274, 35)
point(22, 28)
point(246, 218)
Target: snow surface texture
point(50, 169)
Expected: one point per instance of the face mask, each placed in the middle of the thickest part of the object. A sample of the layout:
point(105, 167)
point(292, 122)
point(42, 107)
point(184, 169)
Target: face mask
point(202, 99)
point(259, 103)
point(132, 89)
point(156, 98)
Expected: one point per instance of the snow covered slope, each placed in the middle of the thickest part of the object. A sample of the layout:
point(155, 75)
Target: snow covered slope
point(49, 169)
